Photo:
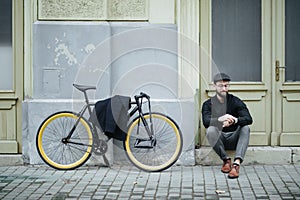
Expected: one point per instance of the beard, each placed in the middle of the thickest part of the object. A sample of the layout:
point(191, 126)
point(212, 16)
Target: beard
point(222, 94)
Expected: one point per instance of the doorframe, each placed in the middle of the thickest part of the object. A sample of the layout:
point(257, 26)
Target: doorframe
point(254, 93)
point(277, 54)
point(18, 63)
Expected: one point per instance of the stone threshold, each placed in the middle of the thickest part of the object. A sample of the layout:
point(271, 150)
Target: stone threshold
point(206, 156)
point(254, 155)
point(11, 159)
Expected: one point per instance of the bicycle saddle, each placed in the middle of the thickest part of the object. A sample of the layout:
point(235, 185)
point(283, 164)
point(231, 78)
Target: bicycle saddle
point(83, 88)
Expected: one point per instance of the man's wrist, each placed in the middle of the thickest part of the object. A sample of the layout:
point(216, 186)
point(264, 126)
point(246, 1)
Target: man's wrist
point(235, 120)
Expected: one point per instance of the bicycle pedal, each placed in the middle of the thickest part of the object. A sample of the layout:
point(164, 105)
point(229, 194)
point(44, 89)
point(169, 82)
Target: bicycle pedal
point(144, 143)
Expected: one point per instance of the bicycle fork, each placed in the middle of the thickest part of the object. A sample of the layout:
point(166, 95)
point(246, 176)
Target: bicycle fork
point(145, 142)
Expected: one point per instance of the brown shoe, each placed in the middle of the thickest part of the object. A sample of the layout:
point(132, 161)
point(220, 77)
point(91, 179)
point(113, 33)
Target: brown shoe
point(234, 173)
point(226, 166)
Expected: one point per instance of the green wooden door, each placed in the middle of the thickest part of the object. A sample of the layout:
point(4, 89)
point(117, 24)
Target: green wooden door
point(11, 77)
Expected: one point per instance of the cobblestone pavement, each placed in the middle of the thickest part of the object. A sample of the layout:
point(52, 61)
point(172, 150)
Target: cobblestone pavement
point(123, 182)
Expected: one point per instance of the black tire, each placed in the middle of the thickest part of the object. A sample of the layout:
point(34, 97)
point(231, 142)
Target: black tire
point(64, 155)
point(164, 153)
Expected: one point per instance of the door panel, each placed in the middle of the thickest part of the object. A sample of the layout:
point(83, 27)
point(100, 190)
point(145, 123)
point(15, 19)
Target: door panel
point(290, 135)
point(8, 133)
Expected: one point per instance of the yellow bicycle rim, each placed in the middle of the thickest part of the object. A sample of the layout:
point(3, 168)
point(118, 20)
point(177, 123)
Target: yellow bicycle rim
point(64, 166)
point(159, 167)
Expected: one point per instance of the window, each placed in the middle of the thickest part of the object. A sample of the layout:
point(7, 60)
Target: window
point(292, 40)
point(236, 39)
point(6, 65)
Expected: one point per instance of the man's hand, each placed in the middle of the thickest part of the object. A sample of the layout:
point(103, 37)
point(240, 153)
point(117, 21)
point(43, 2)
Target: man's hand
point(227, 120)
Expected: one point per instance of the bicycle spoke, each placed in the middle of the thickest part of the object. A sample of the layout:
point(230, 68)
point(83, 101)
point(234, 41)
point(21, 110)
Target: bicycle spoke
point(77, 147)
point(166, 149)
point(73, 154)
point(61, 152)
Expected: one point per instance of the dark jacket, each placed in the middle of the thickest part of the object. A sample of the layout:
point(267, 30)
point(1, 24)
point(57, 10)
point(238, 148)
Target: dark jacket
point(212, 109)
point(112, 116)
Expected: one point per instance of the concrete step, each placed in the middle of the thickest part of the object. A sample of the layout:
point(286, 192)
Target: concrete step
point(11, 159)
point(206, 156)
point(254, 155)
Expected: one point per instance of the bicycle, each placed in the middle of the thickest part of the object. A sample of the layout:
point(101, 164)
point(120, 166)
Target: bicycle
point(65, 140)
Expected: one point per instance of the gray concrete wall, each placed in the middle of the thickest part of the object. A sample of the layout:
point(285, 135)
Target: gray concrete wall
point(118, 58)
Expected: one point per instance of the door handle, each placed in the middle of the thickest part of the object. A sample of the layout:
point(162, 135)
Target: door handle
point(277, 67)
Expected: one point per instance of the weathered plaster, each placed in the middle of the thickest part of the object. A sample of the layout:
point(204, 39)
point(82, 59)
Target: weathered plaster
point(75, 9)
point(93, 10)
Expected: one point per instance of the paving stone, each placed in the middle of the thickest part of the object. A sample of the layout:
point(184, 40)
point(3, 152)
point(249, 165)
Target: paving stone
point(123, 182)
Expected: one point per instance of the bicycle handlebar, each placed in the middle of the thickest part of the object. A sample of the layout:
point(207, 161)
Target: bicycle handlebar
point(142, 95)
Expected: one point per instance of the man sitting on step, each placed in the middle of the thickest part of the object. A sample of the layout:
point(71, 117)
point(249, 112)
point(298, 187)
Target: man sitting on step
point(226, 119)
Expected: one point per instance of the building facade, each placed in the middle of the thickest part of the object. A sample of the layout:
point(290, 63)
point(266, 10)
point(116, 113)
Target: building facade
point(168, 48)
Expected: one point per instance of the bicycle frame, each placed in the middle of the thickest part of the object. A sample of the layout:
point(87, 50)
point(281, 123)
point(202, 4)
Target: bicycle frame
point(138, 108)
point(87, 106)
point(80, 115)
